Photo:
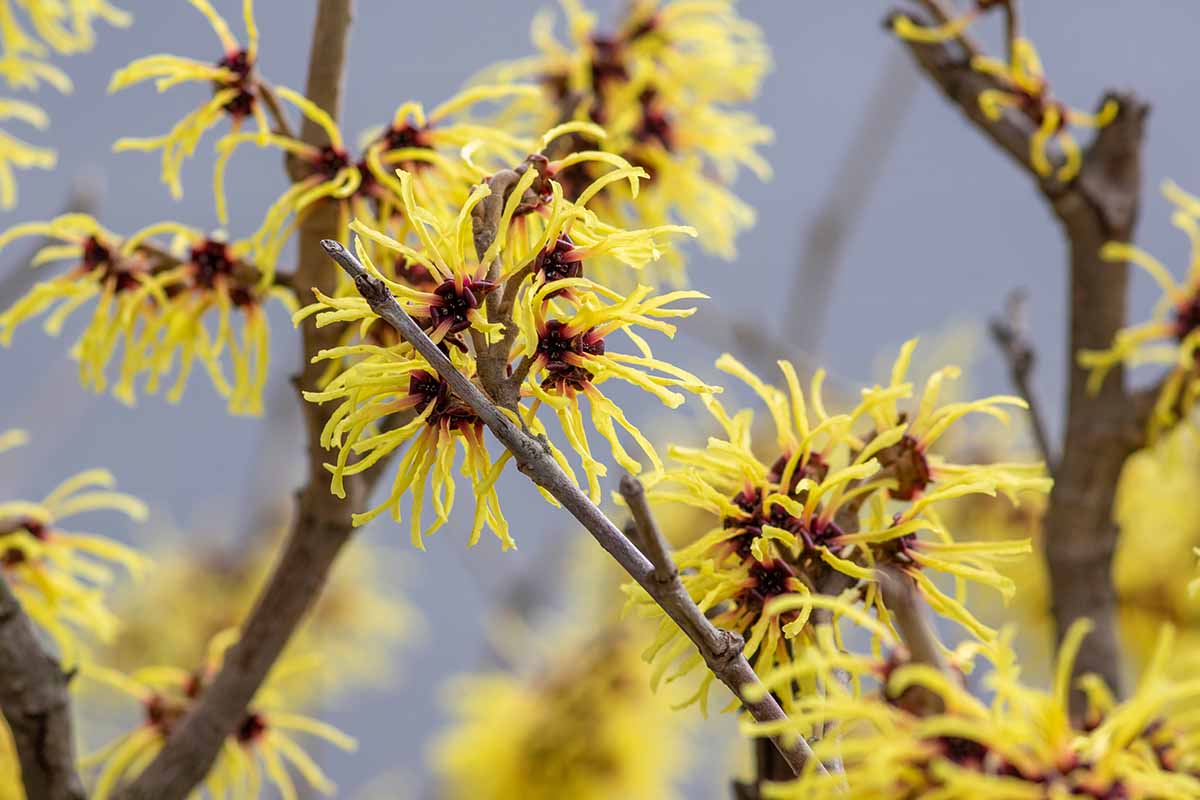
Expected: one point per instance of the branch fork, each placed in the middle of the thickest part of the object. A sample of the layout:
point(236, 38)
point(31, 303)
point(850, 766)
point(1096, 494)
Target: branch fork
point(719, 648)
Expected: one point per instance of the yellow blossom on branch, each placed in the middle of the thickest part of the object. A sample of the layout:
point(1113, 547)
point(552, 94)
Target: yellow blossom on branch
point(1020, 745)
point(660, 87)
point(122, 288)
point(366, 187)
point(821, 507)
point(61, 576)
point(1172, 336)
point(154, 302)
point(1024, 88)
point(213, 277)
point(264, 742)
point(389, 397)
point(233, 80)
point(1021, 87)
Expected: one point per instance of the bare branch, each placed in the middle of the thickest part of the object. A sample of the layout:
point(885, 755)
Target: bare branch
point(1011, 334)
point(650, 538)
point(908, 614)
point(1098, 206)
point(282, 126)
point(36, 706)
point(722, 650)
point(911, 619)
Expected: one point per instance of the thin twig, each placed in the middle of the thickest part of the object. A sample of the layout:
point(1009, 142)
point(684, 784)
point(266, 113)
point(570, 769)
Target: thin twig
point(1012, 28)
point(722, 650)
point(650, 538)
point(36, 705)
point(282, 126)
point(1011, 334)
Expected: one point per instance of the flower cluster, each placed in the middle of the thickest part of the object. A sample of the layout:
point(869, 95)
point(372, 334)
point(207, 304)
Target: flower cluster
point(584, 726)
point(661, 86)
point(830, 500)
point(265, 739)
point(61, 576)
point(1172, 336)
point(1022, 744)
point(151, 302)
point(60, 27)
point(1021, 86)
point(522, 317)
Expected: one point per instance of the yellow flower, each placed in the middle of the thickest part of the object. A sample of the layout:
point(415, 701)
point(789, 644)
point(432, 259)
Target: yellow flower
point(822, 507)
point(366, 186)
point(390, 397)
point(393, 389)
point(265, 740)
point(1021, 745)
point(1159, 533)
point(65, 27)
point(215, 276)
point(1026, 90)
point(905, 28)
point(1022, 88)
point(61, 576)
point(659, 86)
point(567, 355)
point(24, 64)
point(1172, 336)
point(155, 302)
point(15, 153)
point(583, 725)
point(121, 284)
point(233, 80)
point(355, 626)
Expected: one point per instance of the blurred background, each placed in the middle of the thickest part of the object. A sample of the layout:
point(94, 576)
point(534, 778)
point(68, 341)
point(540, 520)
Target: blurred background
point(942, 229)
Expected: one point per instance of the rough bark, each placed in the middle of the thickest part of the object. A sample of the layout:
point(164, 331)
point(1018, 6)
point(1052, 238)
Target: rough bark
point(36, 705)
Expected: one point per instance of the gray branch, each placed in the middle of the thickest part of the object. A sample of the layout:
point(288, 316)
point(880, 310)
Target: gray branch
point(36, 706)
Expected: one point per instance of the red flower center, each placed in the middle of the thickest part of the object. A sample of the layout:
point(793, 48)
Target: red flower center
point(242, 104)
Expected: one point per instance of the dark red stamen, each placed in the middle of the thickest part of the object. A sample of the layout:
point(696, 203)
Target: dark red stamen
point(242, 104)
point(330, 161)
point(1187, 317)
point(448, 410)
point(552, 265)
point(905, 461)
point(12, 556)
point(251, 728)
point(455, 303)
point(211, 259)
